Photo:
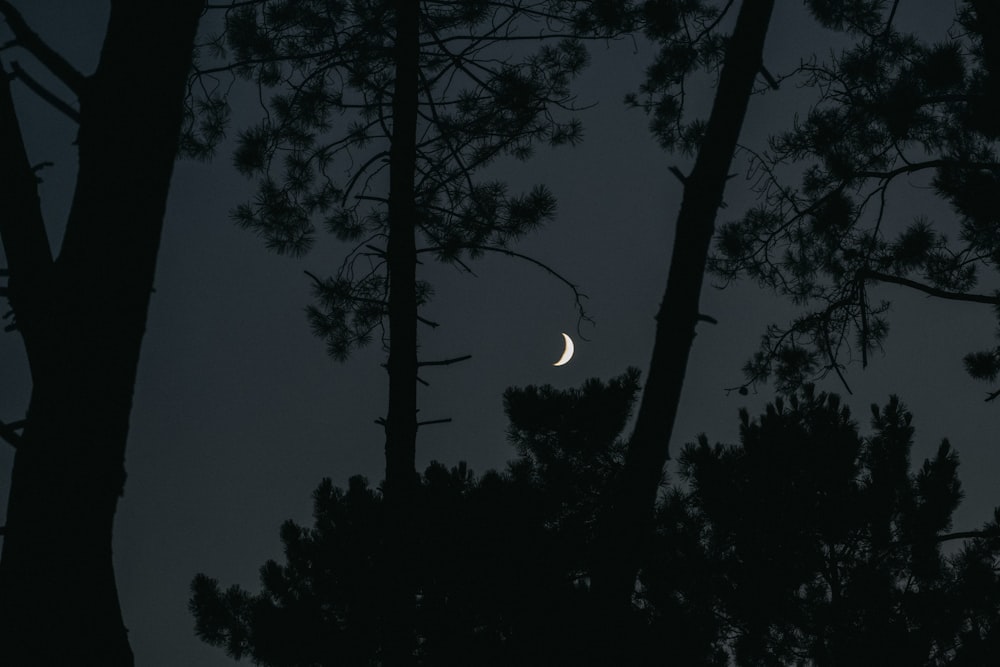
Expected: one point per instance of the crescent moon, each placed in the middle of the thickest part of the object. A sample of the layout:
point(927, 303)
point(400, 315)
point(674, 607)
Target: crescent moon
point(567, 352)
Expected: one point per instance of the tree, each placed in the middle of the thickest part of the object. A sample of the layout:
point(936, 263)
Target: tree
point(805, 544)
point(627, 520)
point(891, 110)
point(500, 561)
point(814, 545)
point(434, 96)
point(81, 315)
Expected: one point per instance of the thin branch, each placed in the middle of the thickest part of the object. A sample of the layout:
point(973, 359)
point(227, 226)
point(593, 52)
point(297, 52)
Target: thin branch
point(22, 228)
point(8, 433)
point(933, 291)
point(920, 166)
point(577, 294)
point(46, 55)
point(771, 81)
point(888, 22)
point(444, 362)
point(44, 93)
point(967, 534)
point(434, 421)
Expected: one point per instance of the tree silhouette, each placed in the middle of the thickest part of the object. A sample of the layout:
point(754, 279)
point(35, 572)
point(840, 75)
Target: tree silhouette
point(81, 315)
point(891, 109)
point(818, 546)
point(382, 118)
point(499, 562)
point(627, 520)
point(806, 544)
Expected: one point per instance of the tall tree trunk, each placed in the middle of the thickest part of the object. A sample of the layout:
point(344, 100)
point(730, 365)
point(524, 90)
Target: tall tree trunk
point(401, 421)
point(628, 517)
point(82, 317)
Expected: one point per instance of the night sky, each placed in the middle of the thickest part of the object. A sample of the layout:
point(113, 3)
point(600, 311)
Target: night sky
point(239, 413)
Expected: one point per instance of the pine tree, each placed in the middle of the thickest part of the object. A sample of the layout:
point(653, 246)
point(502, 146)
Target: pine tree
point(815, 545)
point(500, 561)
point(81, 314)
point(627, 520)
point(892, 111)
point(381, 120)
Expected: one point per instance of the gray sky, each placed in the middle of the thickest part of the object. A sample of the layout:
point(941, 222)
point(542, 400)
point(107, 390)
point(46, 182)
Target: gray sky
point(239, 413)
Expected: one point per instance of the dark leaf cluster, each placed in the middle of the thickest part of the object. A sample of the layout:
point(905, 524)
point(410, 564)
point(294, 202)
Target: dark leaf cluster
point(499, 563)
point(494, 82)
point(808, 543)
point(893, 111)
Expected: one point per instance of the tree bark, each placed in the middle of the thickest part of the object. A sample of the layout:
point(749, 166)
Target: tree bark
point(628, 517)
point(401, 420)
point(82, 317)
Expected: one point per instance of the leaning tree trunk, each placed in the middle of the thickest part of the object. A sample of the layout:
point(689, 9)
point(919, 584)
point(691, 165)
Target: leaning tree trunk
point(401, 420)
point(82, 317)
point(628, 518)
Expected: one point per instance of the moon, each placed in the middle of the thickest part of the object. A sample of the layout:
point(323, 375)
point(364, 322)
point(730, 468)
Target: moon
point(567, 352)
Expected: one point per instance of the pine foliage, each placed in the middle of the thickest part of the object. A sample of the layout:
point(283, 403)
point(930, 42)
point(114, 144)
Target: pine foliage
point(892, 111)
point(494, 82)
point(808, 543)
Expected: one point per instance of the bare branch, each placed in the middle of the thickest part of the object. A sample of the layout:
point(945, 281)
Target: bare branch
point(771, 81)
point(913, 167)
point(933, 291)
point(22, 228)
point(434, 421)
point(9, 433)
point(445, 362)
point(967, 534)
point(577, 294)
point(44, 93)
point(46, 55)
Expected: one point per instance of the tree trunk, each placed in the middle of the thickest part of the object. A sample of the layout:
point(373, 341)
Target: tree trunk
point(629, 515)
point(82, 317)
point(401, 421)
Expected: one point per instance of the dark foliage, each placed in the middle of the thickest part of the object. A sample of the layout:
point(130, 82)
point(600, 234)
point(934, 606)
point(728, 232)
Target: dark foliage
point(493, 81)
point(806, 544)
point(893, 111)
point(499, 564)
point(809, 544)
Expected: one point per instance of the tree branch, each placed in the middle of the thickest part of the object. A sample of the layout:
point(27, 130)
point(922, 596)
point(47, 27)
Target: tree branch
point(8, 433)
point(434, 421)
point(577, 294)
point(920, 166)
point(933, 291)
point(44, 93)
point(22, 228)
point(967, 534)
point(46, 55)
point(445, 362)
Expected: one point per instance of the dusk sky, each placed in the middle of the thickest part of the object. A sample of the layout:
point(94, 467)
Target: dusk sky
point(239, 412)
